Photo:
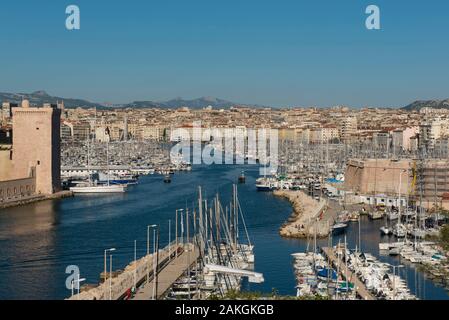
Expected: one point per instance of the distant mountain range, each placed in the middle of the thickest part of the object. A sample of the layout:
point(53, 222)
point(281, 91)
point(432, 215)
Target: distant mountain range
point(179, 102)
point(38, 98)
point(418, 105)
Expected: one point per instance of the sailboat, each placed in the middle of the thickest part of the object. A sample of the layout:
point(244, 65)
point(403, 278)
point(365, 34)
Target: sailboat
point(91, 187)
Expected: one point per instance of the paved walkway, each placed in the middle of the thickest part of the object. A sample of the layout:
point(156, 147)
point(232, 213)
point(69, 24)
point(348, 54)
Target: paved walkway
point(362, 291)
point(168, 275)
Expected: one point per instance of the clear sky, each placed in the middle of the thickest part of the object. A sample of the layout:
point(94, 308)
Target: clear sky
point(283, 52)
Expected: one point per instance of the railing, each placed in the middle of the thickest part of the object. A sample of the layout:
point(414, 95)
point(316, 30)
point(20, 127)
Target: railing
point(136, 273)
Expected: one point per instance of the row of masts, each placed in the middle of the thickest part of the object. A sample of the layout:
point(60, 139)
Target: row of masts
point(217, 236)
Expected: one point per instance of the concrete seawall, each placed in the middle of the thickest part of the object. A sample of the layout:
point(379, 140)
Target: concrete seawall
point(34, 198)
point(307, 218)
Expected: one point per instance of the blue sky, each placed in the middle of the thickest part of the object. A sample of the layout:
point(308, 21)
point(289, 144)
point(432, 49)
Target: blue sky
point(285, 52)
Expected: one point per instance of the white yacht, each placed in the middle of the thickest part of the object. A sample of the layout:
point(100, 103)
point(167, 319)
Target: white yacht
point(93, 187)
point(99, 189)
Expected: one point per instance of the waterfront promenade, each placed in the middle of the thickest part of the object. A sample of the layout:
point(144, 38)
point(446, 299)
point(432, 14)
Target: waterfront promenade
point(174, 260)
point(168, 275)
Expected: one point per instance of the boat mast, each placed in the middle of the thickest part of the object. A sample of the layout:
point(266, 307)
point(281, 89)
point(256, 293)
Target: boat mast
point(88, 161)
point(107, 159)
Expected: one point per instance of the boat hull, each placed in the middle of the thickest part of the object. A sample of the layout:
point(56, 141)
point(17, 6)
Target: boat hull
point(99, 189)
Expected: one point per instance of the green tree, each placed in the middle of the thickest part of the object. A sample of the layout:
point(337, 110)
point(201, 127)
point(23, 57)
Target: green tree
point(444, 237)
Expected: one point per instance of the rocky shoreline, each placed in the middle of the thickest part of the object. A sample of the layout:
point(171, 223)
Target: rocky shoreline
point(307, 216)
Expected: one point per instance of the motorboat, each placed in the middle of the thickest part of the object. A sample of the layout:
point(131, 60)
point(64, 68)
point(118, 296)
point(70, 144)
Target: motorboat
point(392, 215)
point(399, 231)
point(385, 231)
point(376, 215)
point(339, 228)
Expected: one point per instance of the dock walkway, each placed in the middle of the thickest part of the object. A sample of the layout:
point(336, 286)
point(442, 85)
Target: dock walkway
point(173, 262)
point(361, 290)
point(168, 275)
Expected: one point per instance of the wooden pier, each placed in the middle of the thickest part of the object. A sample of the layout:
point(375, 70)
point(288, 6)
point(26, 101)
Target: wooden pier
point(359, 286)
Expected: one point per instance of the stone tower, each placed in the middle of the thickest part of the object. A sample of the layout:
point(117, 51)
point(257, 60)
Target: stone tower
point(36, 144)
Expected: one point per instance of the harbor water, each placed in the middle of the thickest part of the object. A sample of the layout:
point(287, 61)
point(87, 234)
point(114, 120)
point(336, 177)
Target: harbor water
point(39, 241)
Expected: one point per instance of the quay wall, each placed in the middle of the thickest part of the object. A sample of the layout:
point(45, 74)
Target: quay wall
point(16, 190)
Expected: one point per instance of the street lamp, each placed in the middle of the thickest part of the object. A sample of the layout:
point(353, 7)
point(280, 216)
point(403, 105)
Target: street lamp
point(155, 261)
point(105, 262)
point(135, 265)
point(169, 240)
point(77, 281)
point(176, 229)
point(110, 276)
point(148, 250)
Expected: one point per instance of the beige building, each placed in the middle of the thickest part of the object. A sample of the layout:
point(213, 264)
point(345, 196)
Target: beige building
point(35, 149)
point(348, 128)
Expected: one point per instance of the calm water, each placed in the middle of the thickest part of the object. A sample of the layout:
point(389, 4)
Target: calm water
point(38, 242)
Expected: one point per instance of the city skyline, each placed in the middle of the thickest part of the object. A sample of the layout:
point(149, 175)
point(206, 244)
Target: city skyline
point(297, 54)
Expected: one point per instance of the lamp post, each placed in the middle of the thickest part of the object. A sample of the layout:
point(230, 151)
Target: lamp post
point(169, 240)
point(105, 263)
point(155, 259)
point(110, 276)
point(135, 265)
point(148, 251)
point(77, 281)
point(176, 230)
